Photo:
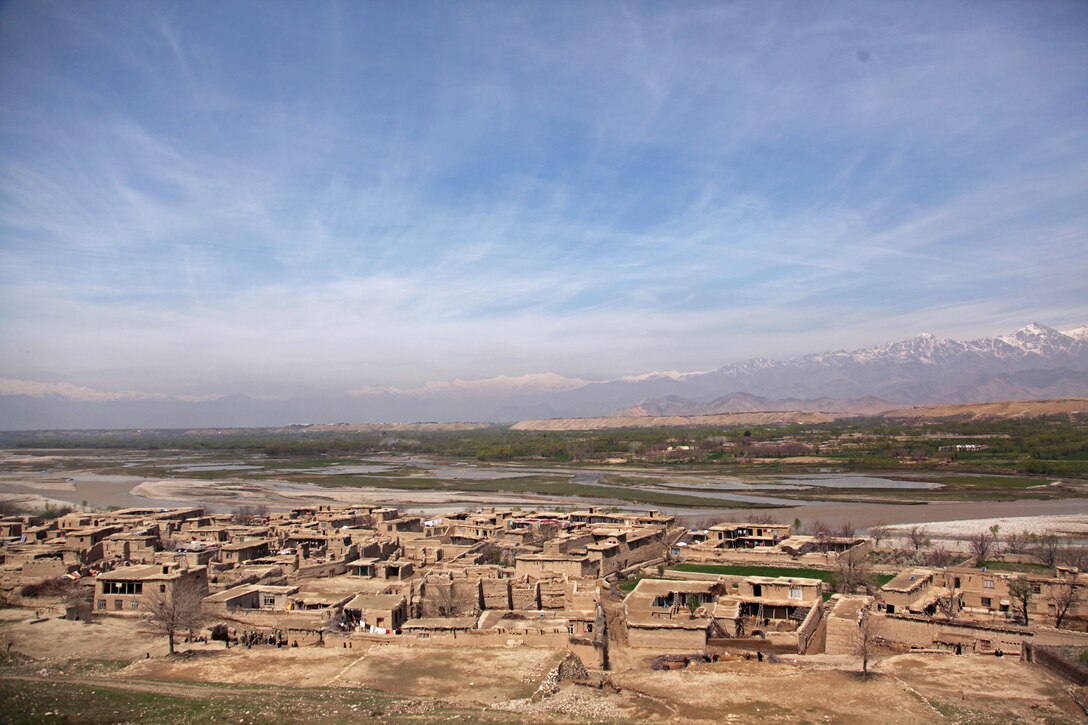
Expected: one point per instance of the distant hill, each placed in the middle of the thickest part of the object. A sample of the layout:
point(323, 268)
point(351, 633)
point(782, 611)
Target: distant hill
point(745, 403)
point(673, 421)
point(1001, 409)
point(975, 411)
point(1034, 362)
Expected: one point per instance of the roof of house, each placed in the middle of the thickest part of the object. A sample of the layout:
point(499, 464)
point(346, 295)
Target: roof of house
point(146, 572)
point(243, 545)
point(909, 580)
point(375, 601)
point(233, 593)
point(440, 623)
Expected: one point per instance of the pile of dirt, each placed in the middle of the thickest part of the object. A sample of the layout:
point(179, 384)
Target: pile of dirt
point(569, 669)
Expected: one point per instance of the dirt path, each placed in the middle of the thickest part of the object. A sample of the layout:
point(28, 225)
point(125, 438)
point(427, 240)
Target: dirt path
point(177, 689)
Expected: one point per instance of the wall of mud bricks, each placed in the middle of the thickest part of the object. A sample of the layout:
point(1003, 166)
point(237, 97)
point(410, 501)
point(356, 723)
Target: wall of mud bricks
point(809, 628)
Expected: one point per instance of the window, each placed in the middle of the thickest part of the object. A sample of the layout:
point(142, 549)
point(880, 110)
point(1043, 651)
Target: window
point(135, 604)
point(987, 602)
point(795, 592)
point(162, 588)
point(118, 604)
point(122, 587)
point(987, 583)
point(101, 603)
point(1036, 588)
point(268, 600)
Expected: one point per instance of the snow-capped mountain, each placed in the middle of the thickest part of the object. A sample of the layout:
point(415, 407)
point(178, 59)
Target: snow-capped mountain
point(1033, 362)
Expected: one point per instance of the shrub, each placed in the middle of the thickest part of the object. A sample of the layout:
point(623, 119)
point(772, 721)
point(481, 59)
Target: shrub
point(48, 587)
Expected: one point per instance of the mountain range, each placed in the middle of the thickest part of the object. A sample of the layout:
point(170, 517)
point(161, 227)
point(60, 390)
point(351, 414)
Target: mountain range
point(1034, 362)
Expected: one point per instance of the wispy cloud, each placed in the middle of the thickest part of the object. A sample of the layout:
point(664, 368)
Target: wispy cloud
point(261, 202)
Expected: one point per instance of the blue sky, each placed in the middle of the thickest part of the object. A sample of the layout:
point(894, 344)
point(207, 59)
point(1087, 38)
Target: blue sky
point(283, 198)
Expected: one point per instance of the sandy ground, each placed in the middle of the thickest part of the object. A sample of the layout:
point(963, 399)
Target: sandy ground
point(108, 638)
point(75, 486)
point(905, 688)
point(1001, 409)
point(1075, 525)
point(465, 676)
point(863, 515)
point(278, 494)
point(1005, 688)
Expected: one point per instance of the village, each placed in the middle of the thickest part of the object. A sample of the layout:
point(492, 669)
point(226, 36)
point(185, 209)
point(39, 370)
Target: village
point(608, 590)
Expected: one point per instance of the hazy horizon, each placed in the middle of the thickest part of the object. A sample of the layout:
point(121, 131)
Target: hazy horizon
point(283, 201)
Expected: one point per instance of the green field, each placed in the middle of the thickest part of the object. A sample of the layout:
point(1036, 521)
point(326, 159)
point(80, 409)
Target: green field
point(736, 570)
point(1019, 567)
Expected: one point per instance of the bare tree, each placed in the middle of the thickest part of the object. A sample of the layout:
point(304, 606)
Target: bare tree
point(492, 553)
point(177, 610)
point(763, 519)
point(545, 531)
point(980, 545)
point(865, 640)
point(707, 521)
point(441, 598)
point(822, 533)
point(1020, 590)
point(1075, 556)
point(918, 538)
point(939, 557)
point(244, 515)
point(1065, 596)
point(878, 532)
point(79, 599)
point(1047, 549)
point(846, 531)
point(9, 508)
point(853, 572)
point(948, 605)
point(1017, 543)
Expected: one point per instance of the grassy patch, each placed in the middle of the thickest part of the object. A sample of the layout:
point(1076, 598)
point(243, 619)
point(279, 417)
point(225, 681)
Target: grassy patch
point(1018, 567)
point(628, 584)
point(738, 570)
point(613, 479)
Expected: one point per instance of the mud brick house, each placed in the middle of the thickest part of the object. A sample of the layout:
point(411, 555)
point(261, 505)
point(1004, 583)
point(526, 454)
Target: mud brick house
point(130, 589)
